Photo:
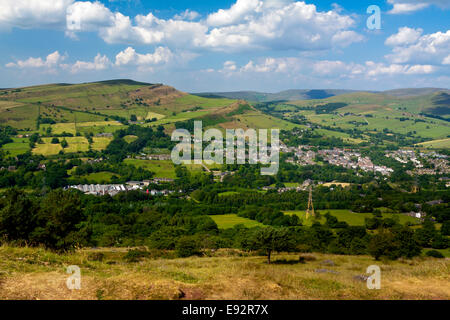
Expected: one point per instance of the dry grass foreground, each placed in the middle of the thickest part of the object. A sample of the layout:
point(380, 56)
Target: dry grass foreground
point(27, 273)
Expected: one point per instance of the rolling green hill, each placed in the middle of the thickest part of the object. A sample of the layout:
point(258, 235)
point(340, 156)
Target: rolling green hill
point(107, 106)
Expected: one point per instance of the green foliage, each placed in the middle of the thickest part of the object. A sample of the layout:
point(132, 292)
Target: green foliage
point(269, 240)
point(435, 254)
point(187, 247)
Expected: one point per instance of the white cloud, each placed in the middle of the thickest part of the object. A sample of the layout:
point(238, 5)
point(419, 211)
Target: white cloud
point(28, 14)
point(409, 6)
point(247, 24)
point(242, 10)
point(52, 60)
point(325, 69)
point(402, 8)
point(100, 63)
point(88, 16)
point(404, 36)
point(187, 15)
point(427, 49)
point(446, 60)
point(130, 57)
point(376, 69)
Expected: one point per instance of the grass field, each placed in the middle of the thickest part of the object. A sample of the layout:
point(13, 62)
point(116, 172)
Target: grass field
point(36, 274)
point(436, 144)
point(227, 221)
point(352, 218)
point(162, 169)
point(18, 146)
point(99, 177)
point(75, 144)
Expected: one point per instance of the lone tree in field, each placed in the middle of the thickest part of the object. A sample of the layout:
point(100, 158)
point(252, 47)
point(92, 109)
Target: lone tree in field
point(272, 240)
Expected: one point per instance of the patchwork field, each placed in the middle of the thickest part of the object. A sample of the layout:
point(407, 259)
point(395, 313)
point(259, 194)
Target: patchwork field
point(352, 218)
point(35, 274)
point(75, 144)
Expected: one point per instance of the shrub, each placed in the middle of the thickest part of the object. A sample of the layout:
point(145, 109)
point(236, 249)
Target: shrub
point(186, 247)
point(136, 255)
point(435, 254)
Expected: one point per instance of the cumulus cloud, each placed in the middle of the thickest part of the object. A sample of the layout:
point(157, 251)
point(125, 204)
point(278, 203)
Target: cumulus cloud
point(100, 63)
point(404, 36)
point(446, 60)
point(427, 49)
point(130, 57)
point(247, 24)
point(326, 69)
point(376, 69)
point(187, 15)
point(51, 61)
point(409, 6)
point(28, 14)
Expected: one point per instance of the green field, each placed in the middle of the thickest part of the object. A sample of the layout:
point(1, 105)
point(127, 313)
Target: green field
point(99, 177)
point(436, 144)
point(352, 218)
point(162, 169)
point(75, 144)
point(18, 146)
point(227, 221)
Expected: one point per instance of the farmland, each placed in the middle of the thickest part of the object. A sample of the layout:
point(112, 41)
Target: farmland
point(352, 218)
point(75, 144)
point(227, 221)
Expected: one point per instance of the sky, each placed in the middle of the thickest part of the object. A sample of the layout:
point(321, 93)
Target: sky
point(227, 45)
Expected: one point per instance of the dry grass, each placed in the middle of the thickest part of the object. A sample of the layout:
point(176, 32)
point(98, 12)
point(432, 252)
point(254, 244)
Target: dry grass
point(27, 273)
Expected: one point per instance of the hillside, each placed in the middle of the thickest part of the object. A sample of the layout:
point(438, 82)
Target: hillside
point(423, 116)
point(106, 106)
point(35, 274)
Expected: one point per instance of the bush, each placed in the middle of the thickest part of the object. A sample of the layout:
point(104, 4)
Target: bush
point(435, 254)
point(186, 247)
point(136, 255)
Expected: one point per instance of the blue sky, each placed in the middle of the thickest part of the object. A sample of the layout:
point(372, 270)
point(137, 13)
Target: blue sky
point(204, 45)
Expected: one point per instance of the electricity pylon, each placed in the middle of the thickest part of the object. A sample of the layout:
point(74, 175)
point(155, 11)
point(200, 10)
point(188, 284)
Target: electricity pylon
point(310, 212)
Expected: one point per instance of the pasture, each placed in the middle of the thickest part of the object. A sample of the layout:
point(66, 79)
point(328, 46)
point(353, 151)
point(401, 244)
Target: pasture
point(18, 146)
point(75, 144)
point(352, 218)
point(228, 221)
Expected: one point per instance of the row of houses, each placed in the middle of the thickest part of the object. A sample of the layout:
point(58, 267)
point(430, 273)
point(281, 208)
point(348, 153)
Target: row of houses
point(113, 189)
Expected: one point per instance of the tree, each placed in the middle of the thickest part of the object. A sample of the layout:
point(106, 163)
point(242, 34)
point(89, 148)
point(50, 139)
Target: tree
point(383, 245)
point(55, 141)
point(18, 216)
point(58, 221)
point(445, 229)
point(64, 144)
point(186, 247)
point(133, 118)
point(271, 240)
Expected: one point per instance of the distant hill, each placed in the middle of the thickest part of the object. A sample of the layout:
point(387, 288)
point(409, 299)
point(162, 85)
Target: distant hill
point(414, 92)
point(301, 94)
point(287, 95)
